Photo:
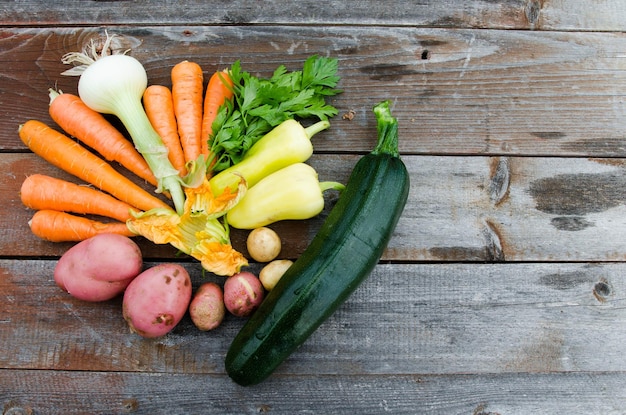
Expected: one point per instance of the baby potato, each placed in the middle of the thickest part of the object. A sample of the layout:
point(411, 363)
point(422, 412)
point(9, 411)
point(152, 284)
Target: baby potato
point(243, 294)
point(99, 268)
point(263, 244)
point(207, 307)
point(272, 272)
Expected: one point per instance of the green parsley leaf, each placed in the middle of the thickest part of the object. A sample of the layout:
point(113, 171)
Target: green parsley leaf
point(260, 104)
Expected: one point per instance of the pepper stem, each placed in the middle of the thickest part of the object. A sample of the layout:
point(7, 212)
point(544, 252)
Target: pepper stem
point(316, 128)
point(331, 185)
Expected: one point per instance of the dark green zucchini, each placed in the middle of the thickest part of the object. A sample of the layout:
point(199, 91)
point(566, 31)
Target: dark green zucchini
point(341, 255)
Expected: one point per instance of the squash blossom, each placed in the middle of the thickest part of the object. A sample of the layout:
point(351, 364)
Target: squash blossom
point(198, 232)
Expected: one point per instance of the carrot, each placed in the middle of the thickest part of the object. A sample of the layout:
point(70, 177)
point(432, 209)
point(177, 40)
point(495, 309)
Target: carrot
point(56, 226)
point(90, 127)
point(40, 192)
point(66, 154)
point(218, 91)
point(159, 106)
point(187, 87)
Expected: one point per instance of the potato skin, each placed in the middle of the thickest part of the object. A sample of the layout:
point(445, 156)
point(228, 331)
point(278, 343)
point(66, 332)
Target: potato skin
point(99, 268)
point(243, 294)
point(157, 299)
point(272, 272)
point(207, 308)
point(263, 244)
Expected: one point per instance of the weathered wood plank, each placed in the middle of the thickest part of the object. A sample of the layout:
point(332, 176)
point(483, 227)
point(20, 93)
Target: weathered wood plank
point(459, 209)
point(509, 14)
point(490, 394)
point(454, 91)
point(405, 319)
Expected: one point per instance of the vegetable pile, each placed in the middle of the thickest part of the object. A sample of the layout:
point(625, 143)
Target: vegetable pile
point(201, 150)
point(231, 155)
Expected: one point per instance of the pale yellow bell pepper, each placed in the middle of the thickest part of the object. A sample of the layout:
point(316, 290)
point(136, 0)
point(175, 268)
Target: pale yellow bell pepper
point(291, 193)
point(286, 144)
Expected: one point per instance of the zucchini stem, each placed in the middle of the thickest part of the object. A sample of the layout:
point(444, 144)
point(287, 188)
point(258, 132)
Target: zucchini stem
point(387, 127)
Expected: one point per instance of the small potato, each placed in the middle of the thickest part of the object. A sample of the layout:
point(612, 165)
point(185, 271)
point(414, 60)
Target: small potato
point(272, 272)
point(207, 308)
point(157, 299)
point(99, 268)
point(243, 293)
point(263, 244)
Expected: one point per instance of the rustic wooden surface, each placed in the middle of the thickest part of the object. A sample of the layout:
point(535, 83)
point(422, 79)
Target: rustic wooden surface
point(502, 290)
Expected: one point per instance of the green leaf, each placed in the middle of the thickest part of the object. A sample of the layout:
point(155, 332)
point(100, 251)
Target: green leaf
point(259, 104)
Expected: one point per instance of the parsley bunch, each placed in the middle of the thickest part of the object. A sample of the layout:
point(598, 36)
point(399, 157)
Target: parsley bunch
point(261, 104)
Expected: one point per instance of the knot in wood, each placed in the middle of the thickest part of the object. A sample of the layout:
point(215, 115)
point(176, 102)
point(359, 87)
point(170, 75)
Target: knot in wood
point(602, 290)
point(499, 180)
point(533, 10)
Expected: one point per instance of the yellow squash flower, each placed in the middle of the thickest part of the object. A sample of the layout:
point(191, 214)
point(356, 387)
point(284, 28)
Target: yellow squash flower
point(198, 232)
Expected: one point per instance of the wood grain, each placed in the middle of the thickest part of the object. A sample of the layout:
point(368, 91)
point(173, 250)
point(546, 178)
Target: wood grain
point(454, 91)
point(448, 338)
point(405, 319)
point(57, 392)
point(607, 15)
point(459, 209)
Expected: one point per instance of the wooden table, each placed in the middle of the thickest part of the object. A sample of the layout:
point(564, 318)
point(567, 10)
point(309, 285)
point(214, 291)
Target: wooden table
point(502, 290)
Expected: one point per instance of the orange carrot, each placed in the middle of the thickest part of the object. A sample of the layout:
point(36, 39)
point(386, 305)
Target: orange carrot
point(187, 87)
point(40, 192)
point(66, 154)
point(159, 106)
point(218, 91)
point(56, 226)
point(90, 127)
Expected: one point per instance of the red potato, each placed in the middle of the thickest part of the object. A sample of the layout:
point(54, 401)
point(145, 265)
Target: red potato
point(243, 293)
point(99, 268)
point(207, 308)
point(157, 299)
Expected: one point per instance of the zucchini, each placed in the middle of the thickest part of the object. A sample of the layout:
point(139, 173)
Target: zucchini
point(341, 255)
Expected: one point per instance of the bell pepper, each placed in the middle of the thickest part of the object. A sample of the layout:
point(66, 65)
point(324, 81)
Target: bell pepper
point(288, 143)
point(291, 193)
